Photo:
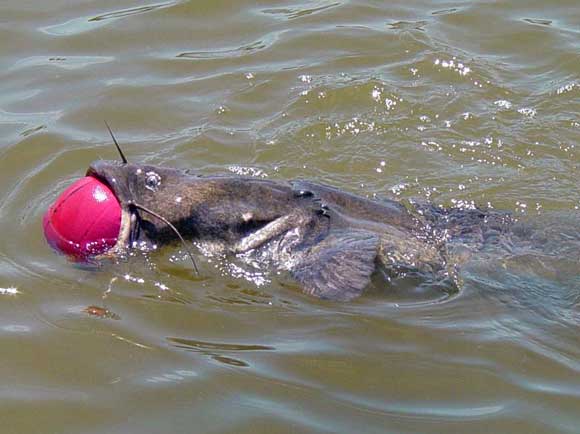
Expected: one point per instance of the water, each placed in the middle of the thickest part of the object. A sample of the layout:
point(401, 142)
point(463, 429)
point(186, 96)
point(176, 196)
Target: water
point(455, 101)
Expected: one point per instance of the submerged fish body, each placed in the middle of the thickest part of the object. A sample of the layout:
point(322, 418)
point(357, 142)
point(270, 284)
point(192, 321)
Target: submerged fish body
point(330, 241)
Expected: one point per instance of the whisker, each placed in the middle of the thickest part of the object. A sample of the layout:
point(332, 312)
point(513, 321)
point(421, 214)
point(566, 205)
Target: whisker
point(116, 143)
point(173, 228)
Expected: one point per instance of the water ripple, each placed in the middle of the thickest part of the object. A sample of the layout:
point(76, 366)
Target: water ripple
point(89, 23)
point(298, 12)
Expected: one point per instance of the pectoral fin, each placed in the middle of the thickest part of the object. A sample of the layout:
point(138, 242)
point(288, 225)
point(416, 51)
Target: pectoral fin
point(338, 267)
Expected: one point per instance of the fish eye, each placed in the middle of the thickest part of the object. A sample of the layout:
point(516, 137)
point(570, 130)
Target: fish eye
point(152, 181)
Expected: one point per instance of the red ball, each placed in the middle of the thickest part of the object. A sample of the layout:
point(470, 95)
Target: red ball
point(85, 219)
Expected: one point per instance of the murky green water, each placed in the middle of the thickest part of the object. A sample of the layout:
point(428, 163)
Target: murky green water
point(456, 101)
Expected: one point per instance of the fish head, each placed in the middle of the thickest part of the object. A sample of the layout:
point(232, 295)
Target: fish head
point(150, 197)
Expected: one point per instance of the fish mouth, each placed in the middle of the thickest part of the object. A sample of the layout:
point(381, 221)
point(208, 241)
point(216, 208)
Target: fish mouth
point(128, 226)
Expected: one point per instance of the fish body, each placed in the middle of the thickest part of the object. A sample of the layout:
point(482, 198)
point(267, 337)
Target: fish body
point(329, 240)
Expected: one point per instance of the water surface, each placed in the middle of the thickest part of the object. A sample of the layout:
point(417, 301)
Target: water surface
point(458, 102)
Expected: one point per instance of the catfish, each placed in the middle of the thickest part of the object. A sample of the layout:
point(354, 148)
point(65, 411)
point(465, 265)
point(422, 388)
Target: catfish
point(330, 241)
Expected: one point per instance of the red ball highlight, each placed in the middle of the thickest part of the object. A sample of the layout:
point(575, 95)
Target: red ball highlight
point(85, 219)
